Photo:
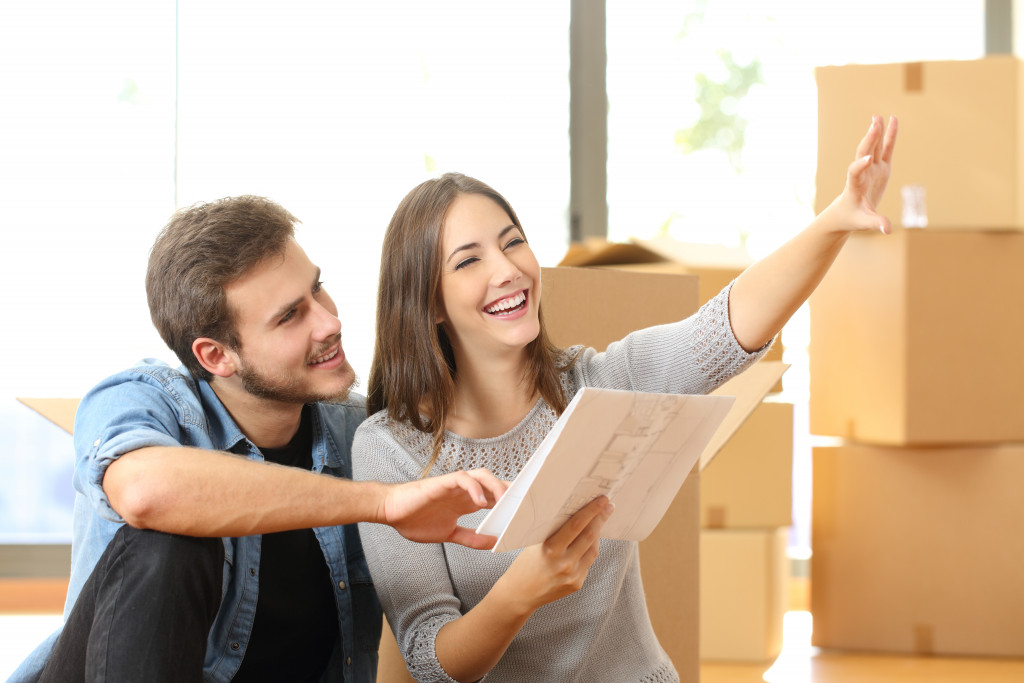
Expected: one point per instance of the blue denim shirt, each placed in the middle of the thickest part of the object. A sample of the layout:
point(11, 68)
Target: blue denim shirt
point(153, 404)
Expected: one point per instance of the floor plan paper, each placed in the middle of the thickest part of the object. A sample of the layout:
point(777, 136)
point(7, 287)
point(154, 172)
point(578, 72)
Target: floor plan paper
point(634, 447)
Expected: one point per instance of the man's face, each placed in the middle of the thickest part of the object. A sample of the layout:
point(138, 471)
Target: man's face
point(290, 336)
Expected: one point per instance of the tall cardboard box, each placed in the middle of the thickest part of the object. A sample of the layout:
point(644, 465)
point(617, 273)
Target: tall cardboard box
point(743, 576)
point(749, 484)
point(595, 307)
point(919, 550)
point(976, 185)
point(915, 339)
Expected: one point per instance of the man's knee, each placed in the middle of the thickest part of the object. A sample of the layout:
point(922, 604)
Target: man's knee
point(170, 559)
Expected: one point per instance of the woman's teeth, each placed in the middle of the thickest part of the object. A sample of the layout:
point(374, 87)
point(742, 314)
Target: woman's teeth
point(506, 304)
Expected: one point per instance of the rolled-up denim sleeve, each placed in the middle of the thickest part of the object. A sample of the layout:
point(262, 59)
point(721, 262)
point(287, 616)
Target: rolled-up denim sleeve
point(126, 412)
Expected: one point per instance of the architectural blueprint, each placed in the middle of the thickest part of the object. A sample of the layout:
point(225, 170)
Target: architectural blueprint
point(636, 448)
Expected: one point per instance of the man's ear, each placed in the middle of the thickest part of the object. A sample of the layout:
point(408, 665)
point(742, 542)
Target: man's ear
point(215, 357)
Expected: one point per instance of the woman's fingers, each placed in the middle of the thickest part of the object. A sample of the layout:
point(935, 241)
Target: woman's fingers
point(579, 522)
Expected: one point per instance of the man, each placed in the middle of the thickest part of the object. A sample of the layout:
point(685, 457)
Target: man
point(204, 547)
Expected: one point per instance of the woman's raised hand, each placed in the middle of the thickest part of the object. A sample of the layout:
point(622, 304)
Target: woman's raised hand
point(867, 177)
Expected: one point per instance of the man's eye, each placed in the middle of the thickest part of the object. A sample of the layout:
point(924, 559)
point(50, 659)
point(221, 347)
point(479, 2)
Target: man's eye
point(286, 317)
point(318, 286)
point(466, 262)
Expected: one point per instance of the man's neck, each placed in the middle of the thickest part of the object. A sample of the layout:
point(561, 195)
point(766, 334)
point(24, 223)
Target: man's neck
point(265, 422)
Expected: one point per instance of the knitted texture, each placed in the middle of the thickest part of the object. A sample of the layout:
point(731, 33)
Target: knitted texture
point(600, 633)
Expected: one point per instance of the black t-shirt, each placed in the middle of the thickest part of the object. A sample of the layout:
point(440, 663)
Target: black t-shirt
point(296, 624)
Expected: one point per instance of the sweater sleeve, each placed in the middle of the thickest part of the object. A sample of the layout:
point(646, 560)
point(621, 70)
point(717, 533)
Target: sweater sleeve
point(692, 356)
point(416, 609)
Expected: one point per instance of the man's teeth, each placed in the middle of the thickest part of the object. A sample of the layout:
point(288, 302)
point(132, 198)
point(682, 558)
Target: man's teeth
point(508, 303)
point(324, 359)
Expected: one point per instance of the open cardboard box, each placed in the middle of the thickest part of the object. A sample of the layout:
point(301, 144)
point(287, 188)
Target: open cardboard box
point(595, 307)
point(714, 265)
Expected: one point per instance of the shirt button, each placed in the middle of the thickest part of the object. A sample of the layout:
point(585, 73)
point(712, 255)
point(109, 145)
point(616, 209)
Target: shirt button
point(252, 572)
point(96, 442)
point(235, 646)
point(348, 661)
point(341, 585)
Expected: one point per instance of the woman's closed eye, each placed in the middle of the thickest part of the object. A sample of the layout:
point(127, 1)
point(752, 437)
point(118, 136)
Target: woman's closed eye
point(465, 262)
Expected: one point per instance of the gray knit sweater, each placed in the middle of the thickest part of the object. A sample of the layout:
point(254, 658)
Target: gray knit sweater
point(600, 633)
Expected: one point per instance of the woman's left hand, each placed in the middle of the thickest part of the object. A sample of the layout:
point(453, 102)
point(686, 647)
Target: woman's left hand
point(867, 177)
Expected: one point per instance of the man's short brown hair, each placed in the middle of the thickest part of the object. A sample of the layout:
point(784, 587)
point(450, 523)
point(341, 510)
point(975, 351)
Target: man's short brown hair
point(203, 249)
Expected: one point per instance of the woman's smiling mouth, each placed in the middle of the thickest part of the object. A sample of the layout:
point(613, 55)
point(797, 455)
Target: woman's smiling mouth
point(507, 305)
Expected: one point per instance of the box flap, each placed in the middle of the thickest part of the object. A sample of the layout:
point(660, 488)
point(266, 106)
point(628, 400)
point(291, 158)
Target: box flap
point(60, 411)
point(598, 252)
point(749, 387)
point(697, 255)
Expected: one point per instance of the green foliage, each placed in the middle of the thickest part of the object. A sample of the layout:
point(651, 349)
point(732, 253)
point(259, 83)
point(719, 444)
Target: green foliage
point(720, 126)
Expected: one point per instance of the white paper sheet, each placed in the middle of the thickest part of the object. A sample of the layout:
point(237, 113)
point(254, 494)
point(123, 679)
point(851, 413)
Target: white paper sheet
point(636, 448)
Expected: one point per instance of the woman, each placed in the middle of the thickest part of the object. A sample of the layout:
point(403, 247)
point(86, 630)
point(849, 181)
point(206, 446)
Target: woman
point(463, 376)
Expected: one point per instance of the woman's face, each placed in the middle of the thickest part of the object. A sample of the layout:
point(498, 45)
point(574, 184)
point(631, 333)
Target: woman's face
point(490, 280)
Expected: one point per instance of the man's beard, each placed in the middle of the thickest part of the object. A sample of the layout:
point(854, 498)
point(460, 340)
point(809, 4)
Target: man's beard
point(260, 385)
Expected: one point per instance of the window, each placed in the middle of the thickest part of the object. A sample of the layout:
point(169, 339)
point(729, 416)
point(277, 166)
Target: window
point(763, 194)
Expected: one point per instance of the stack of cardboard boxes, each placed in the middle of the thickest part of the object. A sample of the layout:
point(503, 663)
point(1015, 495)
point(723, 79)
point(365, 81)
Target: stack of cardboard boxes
point(745, 494)
point(918, 521)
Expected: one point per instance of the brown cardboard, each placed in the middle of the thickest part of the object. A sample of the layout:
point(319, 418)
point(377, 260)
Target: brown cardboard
point(915, 339)
point(595, 307)
point(743, 577)
point(967, 186)
point(390, 663)
point(749, 387)
point(918, 550)
point(750, 482)
point(714, 265)
point(60, 411)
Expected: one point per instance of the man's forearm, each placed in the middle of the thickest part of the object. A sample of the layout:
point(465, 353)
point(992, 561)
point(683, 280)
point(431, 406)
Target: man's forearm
point(206, 493)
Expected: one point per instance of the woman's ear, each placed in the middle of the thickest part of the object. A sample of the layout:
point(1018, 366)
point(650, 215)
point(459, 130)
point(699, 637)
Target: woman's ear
point(215, 357)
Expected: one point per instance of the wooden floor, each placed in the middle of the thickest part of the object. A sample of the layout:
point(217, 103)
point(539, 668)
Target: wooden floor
point(798, 663)
point(801, 663)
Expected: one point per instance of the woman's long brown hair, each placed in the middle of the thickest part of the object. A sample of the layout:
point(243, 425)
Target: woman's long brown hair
point(413, 365)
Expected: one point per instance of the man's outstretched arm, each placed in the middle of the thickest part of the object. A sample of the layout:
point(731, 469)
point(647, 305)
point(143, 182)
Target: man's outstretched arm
point(207, 493)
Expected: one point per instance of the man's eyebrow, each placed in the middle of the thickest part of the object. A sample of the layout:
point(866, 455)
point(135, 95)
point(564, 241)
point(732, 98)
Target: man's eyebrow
point(292, 304)
point(474, 245)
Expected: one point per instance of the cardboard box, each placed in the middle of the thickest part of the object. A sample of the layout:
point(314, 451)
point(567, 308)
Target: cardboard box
point(750, 483)
point(60, 411)
point(976, 185)
point(915, 339)
point(743, 576)
point(669, 557)
point(714, 265)
point(919, 550)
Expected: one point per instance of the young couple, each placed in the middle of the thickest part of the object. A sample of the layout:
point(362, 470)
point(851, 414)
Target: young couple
point(204, 547)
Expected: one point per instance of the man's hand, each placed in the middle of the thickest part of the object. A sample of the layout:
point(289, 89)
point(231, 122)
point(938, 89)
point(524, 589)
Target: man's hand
point(428, 510)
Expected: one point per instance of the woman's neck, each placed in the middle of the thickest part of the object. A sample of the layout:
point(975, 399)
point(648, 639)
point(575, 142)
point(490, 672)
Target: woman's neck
point(491, 397)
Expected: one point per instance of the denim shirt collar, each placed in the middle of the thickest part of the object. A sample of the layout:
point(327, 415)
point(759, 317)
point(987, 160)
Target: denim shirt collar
point(226, 435)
